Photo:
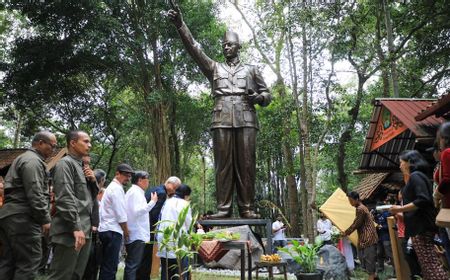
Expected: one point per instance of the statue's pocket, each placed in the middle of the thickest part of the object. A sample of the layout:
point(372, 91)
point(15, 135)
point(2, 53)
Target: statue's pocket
point(216, 114)
point(249, 116)
point(221, 82)
point(241, 81)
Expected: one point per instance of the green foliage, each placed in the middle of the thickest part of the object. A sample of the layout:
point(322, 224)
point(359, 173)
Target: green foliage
point(5, 141)
point(176, 239)
point(306, 255)
point(94, 65)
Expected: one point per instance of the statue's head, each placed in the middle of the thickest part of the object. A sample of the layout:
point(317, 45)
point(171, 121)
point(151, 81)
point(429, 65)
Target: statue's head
point(230, 44)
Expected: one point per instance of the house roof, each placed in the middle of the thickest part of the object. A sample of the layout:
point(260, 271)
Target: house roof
point(406, 111)
point(7, 156)
point(439, 108)
point(385, 157)
point(369, 184)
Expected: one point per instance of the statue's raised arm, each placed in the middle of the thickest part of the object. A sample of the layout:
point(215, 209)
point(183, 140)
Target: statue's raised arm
point(205, 63)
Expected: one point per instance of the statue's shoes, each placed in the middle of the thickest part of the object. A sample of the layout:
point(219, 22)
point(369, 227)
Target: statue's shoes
point(250, 215)
point(219, 215)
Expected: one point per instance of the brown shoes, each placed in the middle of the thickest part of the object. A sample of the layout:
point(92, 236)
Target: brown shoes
point(226, 214)
point(220, 215)
point(250, 215)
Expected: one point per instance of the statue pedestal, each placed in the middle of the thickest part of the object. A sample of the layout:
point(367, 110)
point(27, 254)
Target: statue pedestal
point(267, 223)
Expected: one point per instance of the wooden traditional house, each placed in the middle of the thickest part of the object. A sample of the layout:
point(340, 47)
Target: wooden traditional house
point(394, 128)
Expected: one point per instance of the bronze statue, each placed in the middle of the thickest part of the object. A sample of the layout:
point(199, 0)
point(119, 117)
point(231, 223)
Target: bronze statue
point(236, 88)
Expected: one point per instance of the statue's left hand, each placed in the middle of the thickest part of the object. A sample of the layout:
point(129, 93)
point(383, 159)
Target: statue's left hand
point(256, 99)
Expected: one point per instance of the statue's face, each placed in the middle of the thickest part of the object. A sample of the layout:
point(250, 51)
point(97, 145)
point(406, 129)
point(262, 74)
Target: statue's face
point(230, 49)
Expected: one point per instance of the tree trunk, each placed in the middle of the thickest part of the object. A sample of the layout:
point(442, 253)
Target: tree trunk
point(173, 139)
point(204, 182)
point(159, 123)
point(391, 47)
point(347, 134)
point(289, 164)
point(17, 131)
point(380, 54)
point(307, 215)
point(113, 153)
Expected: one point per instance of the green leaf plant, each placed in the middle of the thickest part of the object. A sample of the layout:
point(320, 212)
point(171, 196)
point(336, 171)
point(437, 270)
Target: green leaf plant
point(305, 255)
point(175, 238)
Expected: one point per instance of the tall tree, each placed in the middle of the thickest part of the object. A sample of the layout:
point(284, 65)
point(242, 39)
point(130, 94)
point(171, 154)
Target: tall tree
point(272, 56)
point(96, 40)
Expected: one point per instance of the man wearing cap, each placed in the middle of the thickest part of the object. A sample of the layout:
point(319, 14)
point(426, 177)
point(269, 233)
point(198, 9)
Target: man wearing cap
point(70, 232)
point(236, 88)
point(25, 214)
point(113, 221)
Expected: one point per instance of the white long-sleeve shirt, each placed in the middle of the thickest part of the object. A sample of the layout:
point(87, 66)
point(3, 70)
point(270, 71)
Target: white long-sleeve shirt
point(169, 215)
point(324, 229)
point(113, 208)
point(137, 214)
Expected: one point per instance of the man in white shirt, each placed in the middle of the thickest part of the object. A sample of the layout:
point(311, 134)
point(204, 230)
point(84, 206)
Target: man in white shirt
point(113, 222)
point(324, 228)
point(163, 192)
point(138, 222)
point(169, 215)
point(278, 228)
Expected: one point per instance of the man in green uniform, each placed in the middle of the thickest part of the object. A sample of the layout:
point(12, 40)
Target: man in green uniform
point(25, 214)
point(71, 226)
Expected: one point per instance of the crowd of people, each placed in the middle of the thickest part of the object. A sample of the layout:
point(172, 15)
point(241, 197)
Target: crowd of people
point(71, 209)
point(415, 213)
point(414, 210)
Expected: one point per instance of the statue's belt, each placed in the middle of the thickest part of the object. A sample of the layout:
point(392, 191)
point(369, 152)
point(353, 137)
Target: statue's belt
point(242, 97)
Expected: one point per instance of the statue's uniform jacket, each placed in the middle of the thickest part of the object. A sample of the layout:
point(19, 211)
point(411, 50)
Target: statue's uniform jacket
point(230, 89)
point(234, 124)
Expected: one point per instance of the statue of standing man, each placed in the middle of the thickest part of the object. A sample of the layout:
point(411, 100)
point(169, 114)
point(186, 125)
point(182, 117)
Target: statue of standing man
point(236, 88)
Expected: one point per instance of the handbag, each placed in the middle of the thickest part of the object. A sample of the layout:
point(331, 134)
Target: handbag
point(443, 218)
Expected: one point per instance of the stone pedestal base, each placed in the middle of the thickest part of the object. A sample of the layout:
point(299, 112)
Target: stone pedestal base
point(267, 223)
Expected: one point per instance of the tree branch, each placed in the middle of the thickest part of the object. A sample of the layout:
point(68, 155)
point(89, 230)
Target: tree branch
point(255, 39)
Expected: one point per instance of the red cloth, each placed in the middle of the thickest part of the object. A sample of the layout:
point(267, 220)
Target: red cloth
point(211, 251)
point(400, 226)
point(444, 182)
point(340, 246)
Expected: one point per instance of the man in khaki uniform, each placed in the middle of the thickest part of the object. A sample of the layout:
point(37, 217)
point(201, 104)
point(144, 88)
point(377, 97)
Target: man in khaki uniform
point(71, 226)
point(25, 214)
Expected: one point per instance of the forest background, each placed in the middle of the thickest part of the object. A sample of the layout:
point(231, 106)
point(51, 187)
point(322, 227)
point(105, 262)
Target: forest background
point(118, 70)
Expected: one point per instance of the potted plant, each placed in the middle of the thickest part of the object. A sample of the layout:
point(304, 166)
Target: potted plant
point(306, 256)
point(183, 243)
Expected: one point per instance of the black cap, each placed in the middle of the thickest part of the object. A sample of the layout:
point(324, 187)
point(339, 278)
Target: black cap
point(123, 167)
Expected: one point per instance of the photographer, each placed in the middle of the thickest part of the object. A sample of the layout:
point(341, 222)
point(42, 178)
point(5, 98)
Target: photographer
point(279, 239)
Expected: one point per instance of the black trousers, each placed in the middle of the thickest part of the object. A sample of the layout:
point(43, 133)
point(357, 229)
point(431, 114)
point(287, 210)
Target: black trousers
point(93, 265)
point(145, 267)
point(235, 167)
